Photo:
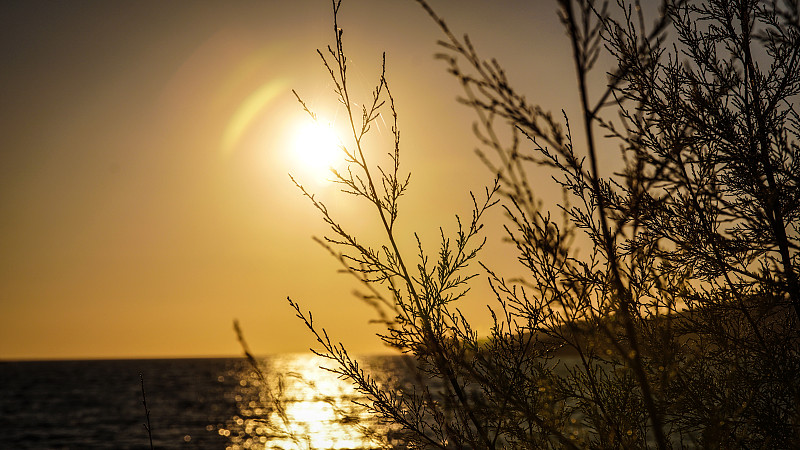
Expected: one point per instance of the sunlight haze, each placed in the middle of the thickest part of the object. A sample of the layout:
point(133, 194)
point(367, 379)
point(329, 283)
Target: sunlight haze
point(145, 198)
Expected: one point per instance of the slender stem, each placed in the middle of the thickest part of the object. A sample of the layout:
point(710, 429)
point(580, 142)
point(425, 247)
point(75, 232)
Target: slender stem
point(625, 302)
point(772, 204)
point(430, 337)
point(146, 413)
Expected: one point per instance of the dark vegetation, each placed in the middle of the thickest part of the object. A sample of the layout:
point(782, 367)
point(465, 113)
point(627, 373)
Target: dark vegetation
point(681, 312)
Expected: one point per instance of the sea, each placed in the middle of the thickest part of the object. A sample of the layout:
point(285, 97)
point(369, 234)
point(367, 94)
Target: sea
point(220, 403)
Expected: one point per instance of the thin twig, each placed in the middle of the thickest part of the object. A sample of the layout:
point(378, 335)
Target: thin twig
point(146, 412)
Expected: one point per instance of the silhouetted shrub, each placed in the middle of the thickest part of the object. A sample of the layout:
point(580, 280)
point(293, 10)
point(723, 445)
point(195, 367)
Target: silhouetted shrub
point(679, 326)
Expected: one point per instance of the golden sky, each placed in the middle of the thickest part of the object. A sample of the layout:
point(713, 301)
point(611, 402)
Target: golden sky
point(144, 195)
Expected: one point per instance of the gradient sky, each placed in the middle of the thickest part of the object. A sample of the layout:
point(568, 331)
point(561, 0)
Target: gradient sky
point(144, 196)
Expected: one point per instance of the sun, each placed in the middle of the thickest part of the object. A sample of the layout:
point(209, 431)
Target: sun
point(316, 149)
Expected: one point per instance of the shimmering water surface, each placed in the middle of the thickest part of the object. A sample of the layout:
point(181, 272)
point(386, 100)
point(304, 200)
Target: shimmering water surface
point(194, 403)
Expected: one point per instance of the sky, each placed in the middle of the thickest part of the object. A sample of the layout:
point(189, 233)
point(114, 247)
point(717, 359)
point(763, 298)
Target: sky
point(145, 201)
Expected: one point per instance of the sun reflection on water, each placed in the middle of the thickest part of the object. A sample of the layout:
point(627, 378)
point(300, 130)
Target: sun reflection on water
point(303, 406)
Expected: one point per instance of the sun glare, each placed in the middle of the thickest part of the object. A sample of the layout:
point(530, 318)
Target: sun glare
point(316, 149)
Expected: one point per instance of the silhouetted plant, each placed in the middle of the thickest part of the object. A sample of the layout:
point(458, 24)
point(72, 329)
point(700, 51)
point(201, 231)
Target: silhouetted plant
point(680, 326)
point(146, 423)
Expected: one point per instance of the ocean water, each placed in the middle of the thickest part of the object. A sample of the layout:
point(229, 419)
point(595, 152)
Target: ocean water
point(193, 403)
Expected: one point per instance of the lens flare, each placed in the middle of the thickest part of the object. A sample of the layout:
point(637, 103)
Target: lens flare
point(247, 112)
